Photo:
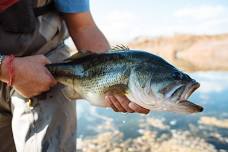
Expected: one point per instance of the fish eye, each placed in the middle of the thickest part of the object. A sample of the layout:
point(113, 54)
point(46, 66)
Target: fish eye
point(177, 75)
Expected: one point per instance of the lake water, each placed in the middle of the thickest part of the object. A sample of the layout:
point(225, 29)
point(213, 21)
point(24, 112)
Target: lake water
point(212, 95)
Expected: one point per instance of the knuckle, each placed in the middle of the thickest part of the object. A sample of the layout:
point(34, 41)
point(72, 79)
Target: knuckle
point(108, 99)
point(40, 57)
point(49, 80)
point(44, 59)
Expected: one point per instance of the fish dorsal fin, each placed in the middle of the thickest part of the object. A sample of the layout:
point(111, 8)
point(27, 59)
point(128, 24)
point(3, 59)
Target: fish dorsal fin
point(77, 55)
point(120, 47)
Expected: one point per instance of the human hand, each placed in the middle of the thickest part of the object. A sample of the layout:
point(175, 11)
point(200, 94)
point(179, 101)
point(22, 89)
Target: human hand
point(120, 103)
point(31, 76)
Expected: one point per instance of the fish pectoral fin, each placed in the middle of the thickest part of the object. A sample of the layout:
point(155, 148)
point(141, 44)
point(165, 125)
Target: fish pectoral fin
point(189, 107)
point(120, 89)
point(70, 93)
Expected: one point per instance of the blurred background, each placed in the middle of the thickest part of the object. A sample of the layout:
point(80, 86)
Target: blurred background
point(193, 35)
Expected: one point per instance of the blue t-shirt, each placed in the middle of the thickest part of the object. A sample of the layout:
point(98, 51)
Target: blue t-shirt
point(72, 6)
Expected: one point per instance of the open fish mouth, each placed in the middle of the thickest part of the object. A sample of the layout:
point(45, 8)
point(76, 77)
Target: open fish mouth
point(183, 92)
point(180, 92)
point(189, 89)
point(186, 105)
point(179, 95)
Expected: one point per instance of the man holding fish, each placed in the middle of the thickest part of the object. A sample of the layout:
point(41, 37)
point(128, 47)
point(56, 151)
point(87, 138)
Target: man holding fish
point(35, 115)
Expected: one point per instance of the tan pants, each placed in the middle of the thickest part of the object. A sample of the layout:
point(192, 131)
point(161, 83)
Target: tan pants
point(48, 126)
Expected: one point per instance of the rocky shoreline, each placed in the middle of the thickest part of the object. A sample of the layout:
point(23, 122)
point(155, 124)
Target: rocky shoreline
point(189, 52)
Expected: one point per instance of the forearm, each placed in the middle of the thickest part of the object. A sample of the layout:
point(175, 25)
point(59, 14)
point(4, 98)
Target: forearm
point(85, 33)
point(91, 39)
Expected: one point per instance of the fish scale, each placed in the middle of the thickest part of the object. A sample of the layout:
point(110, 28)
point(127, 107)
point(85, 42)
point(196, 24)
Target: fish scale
point(102, 78)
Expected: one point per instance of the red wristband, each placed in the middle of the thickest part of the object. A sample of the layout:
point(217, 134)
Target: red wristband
point(9, 63)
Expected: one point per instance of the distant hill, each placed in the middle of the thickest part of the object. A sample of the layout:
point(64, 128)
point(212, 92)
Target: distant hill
point(188, 52)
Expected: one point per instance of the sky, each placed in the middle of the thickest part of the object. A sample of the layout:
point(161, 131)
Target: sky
point(124, 20)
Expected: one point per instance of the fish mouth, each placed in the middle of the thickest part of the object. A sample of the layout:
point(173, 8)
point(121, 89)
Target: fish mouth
point(186, 105)
point(183, 92)
point(189, 89)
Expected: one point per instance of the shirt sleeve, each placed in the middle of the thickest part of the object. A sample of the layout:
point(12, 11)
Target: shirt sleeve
point(72, 6)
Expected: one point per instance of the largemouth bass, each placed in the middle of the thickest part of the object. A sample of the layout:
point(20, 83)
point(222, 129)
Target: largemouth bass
point(144, 78)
